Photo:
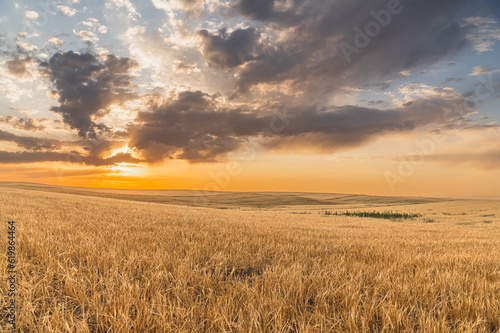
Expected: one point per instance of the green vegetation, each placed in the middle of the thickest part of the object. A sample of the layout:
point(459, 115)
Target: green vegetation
point(388, 215)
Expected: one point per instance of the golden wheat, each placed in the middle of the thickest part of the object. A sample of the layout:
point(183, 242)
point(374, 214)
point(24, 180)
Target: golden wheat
point(90, 264)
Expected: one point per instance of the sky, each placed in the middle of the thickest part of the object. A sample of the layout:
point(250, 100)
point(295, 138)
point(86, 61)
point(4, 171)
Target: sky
point(381, 97)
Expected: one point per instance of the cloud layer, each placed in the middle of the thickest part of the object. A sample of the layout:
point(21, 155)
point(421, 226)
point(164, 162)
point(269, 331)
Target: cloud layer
point(87, 86)
point(281, 67)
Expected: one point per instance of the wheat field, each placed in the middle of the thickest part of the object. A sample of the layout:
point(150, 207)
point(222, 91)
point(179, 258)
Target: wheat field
point(98, 264)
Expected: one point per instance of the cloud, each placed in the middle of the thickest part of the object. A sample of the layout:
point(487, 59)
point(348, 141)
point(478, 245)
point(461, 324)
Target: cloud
point(194, 127)
point(487, 160)
point(453, 80)
point(190, 7)
point(56, 41)
point(188, 126)
point(87, 86)
point(49, 150)
point(94, 25)
point(229, 50)
point(266, 10)
point(304, 48)
point(484, 33)
point(30, 143)
point(480, 70)
point(31, 14)
point(86, 36)
point(66, 11)
point(7, 157)
point(181, 67)
point(26, 124)
point(127, 5)
point(102, 29)
point(17, 66)
point(26, 47)
point(382, 85)
point(344, 127)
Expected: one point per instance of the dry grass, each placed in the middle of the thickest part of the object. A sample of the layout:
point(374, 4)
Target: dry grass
point(89, 264)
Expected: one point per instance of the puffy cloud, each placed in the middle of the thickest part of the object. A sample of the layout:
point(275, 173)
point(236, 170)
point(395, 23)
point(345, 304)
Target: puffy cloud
point(48, 150)
point(17, 66)
point(229, 50)
point(67, 11)
point(102, 29)
point(311, 50)
point(26, 47)
point(181, 67)
point(86, 36)
point(27, 124)
point(94, 25)
point(191, 7)
point(31, 14)
point(87, 86)
point(192, 126)
point(127, 5)
point(188, 126)
point(56, 41)
point(266, 10)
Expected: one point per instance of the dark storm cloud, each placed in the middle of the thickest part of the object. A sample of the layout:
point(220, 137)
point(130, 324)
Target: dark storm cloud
point(310, 54)
point(192, 126)
point(26, 124)
point(229, 50)
point(87, 86)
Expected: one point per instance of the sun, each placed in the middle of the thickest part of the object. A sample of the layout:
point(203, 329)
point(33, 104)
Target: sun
point(129, 169)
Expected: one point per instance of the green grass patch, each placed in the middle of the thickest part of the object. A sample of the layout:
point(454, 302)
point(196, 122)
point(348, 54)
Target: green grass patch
point(388, 215)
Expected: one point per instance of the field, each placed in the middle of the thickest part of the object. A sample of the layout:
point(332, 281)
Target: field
point(172, 261)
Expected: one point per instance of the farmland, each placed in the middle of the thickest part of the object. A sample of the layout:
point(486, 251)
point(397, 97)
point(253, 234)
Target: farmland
point(170, 261)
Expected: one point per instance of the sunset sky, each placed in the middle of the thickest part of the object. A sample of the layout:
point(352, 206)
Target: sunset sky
point(345, 96)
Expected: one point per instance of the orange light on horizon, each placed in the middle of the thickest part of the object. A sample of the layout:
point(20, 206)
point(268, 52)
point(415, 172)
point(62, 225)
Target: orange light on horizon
point(130, 169)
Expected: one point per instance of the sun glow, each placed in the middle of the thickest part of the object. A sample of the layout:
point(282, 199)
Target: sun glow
point(123, 150)
point(129, 169)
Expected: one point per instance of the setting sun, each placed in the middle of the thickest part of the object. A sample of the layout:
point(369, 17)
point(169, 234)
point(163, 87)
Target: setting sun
point(128, 169)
